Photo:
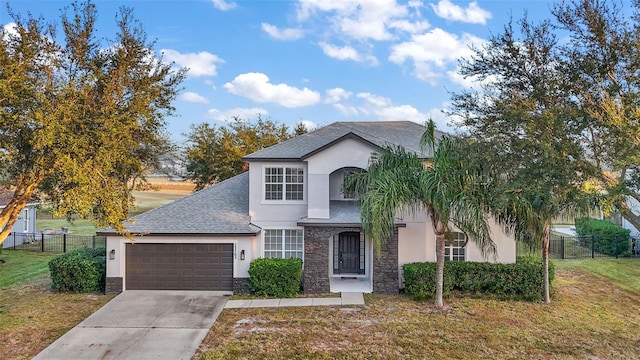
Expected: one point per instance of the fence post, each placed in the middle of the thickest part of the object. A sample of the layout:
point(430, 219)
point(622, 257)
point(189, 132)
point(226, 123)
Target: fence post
point(562, 247)
point(593, 246)
point(14, 240)
point(64, 243)
point(42, 241)
point(93, 241)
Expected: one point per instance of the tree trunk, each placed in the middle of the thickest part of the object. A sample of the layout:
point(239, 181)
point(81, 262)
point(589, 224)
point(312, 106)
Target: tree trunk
point(439, 270)
point(545, 263)
point(11, 212)
point(628, 215)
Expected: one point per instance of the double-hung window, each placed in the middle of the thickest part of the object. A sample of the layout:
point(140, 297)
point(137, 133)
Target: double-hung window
point(25, 220)
point(283, 183)
point(455, 248)
point(283, 243)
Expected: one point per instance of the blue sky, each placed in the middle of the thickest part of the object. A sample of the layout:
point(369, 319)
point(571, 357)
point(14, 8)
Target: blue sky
point(317, 61)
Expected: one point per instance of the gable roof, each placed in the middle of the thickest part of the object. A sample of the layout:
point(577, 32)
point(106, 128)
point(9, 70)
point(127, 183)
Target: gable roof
point(377, 133)
point(222, 209)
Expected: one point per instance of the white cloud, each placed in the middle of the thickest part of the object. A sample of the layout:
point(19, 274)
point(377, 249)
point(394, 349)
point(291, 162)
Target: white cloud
point(191, 96)
point(199, 64)
point(410, 27)
point(473, 13)
point(346, 53)
point(361, 19)
point(10, 29)
point(282, 34)
point(256, 86)
point(434, 49)
point(376, 107)
point(374, 100)
point(347, 109)
point(223, 5)
point(443, 121)
point(336, 95)
point(310, 125)
point(242, 113)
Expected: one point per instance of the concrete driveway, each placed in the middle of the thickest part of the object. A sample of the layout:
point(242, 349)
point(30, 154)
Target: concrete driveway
point(142, 325)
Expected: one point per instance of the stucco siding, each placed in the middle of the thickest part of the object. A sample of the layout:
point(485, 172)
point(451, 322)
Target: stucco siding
point(262, 210)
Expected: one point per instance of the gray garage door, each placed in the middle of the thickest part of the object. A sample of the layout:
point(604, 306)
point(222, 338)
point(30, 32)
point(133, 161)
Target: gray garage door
point(179, 267)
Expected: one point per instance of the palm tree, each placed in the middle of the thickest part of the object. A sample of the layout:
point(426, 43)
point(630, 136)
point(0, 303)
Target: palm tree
point(527, 210)
point(445, 187)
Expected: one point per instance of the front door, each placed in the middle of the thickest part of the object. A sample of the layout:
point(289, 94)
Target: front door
point(349, 253)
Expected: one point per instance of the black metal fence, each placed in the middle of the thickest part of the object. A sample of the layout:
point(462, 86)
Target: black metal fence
point(59, 242)
point(583, 247)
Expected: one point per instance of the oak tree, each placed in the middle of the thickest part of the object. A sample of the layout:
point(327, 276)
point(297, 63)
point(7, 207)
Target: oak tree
point(79, 117)
point(214, 153)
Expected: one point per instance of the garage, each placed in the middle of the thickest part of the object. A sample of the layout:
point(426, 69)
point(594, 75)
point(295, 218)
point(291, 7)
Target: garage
point(179, 267)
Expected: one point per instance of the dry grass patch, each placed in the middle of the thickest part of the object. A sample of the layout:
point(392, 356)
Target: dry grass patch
point(590, 318)
point(32, 316)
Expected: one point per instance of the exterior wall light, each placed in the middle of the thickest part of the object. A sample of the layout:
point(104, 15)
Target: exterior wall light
point(242, 254)
point(112, 254)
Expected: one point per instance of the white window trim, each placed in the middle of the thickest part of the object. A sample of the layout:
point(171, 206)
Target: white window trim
point(25, 220)
point(451, 247)
point(305, 185)
point(263, 233)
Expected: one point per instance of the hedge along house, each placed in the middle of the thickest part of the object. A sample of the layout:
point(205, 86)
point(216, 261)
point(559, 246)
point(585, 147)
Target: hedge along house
point(289, 204)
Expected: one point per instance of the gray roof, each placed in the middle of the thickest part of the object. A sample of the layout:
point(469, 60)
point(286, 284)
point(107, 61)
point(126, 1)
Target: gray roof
point(378, 133)
point(220, 209)
point(344, 213)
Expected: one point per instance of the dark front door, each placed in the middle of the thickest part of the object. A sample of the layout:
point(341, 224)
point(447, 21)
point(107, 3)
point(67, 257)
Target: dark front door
point(349, 253)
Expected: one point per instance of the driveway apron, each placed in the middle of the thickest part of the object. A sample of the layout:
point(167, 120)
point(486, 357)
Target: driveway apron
point(141, 324)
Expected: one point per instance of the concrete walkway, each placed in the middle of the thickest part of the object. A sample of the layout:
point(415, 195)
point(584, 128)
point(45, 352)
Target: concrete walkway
point(346, 298)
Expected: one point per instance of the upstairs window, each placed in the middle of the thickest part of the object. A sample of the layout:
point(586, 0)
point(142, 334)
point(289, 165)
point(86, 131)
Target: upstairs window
point(283, 183)
point(455, 247)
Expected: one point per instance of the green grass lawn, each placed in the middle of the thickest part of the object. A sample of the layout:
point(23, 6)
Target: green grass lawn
point(20, 266)
point(593, 315)
point(145, 201)
point(623, 272)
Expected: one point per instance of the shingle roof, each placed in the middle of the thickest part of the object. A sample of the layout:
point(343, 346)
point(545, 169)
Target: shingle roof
point(224, 207)
point(379, 133)
point(341, 213)
point(220, 209)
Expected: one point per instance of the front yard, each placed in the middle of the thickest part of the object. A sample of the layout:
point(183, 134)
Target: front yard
point(32, 316)
point(594, 315)
point(591, 317)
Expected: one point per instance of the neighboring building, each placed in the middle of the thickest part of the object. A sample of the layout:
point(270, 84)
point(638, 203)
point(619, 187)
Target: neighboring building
point(289, 204)
point(26, 223)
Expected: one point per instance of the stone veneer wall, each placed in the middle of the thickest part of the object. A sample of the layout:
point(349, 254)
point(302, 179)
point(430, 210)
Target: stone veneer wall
point(316, 261)
point(316, 257)
point(113, 285)
point(241, 286)
point(385, 267)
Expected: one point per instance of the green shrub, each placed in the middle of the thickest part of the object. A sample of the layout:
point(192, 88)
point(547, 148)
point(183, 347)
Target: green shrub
point(608, 238)
point(80, 270)
point(275, 277)
point(522, 280)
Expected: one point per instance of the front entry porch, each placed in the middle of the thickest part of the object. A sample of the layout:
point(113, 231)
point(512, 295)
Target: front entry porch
point(359, 271)
point(339, 284)
point(350, 258)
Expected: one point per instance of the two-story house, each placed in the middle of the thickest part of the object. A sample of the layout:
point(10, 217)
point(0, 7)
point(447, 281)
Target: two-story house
point(289, 204)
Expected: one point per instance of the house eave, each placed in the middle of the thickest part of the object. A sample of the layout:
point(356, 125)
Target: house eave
point(165, 234)
point(339, 225)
